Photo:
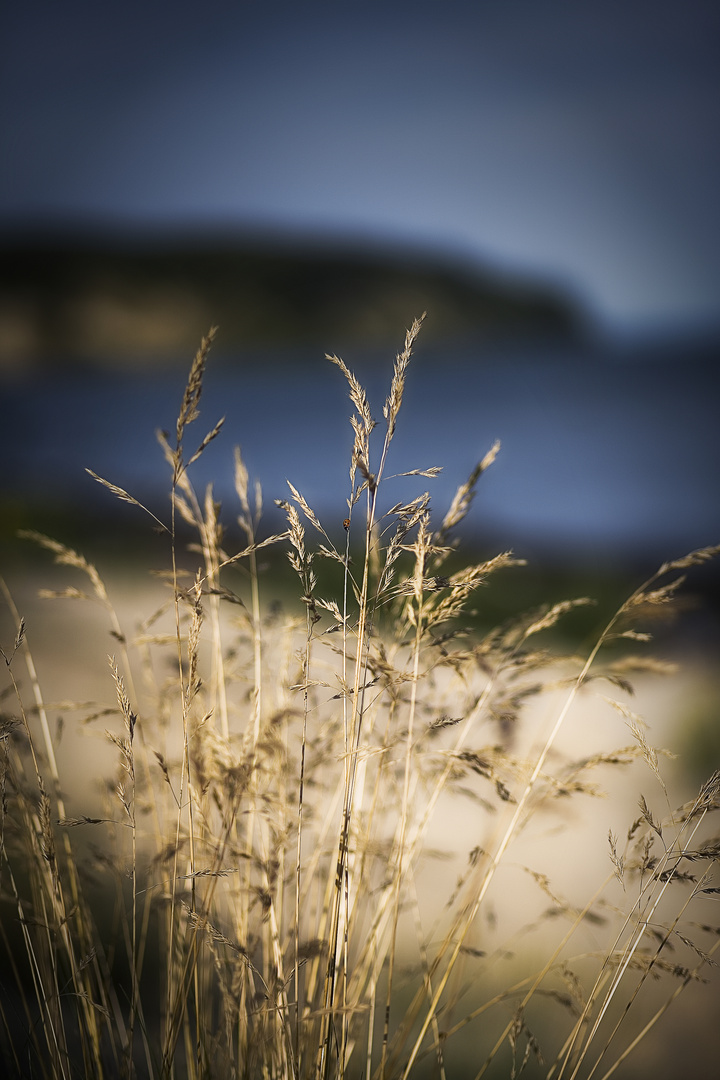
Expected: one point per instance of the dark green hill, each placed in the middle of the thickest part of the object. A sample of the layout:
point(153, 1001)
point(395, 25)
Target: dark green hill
point(122, 298)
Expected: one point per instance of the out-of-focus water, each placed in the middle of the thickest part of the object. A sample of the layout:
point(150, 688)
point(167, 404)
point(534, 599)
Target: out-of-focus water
point(602, 451)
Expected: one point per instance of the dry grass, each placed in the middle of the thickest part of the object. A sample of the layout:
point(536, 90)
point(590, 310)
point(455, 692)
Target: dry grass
point(259, 891)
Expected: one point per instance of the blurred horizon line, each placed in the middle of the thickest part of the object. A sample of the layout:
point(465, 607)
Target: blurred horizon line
point(546, 305)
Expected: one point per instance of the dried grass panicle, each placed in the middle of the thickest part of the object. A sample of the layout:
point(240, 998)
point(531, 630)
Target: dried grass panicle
point(207, 439)
point(362, 423)
point(709, 795)
point(123, 495)
point(189, 412)
point(193, 389)
point(46, 835)
point(694, 558)
point(242, 478)
point(465, 494)
point(357, 394)
point(309, 514)
point(397, 387)
point(616, 858)
point(275, 873)
point(66, 556)
point(555, 613)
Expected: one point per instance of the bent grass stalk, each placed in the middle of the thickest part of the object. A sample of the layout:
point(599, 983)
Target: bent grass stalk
point(277, 811)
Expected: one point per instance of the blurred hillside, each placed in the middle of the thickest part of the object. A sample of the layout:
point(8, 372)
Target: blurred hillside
point(110, 297)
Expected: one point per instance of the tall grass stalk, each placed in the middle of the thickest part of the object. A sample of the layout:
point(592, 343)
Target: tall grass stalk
point(260, 902)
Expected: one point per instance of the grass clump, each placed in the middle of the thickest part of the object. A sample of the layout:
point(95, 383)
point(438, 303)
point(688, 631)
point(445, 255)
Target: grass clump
point(307, 859)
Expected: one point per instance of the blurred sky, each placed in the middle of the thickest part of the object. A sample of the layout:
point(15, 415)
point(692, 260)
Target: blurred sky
point(575, 138)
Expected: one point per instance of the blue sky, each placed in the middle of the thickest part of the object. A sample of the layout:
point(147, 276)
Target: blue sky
point(577, 141)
